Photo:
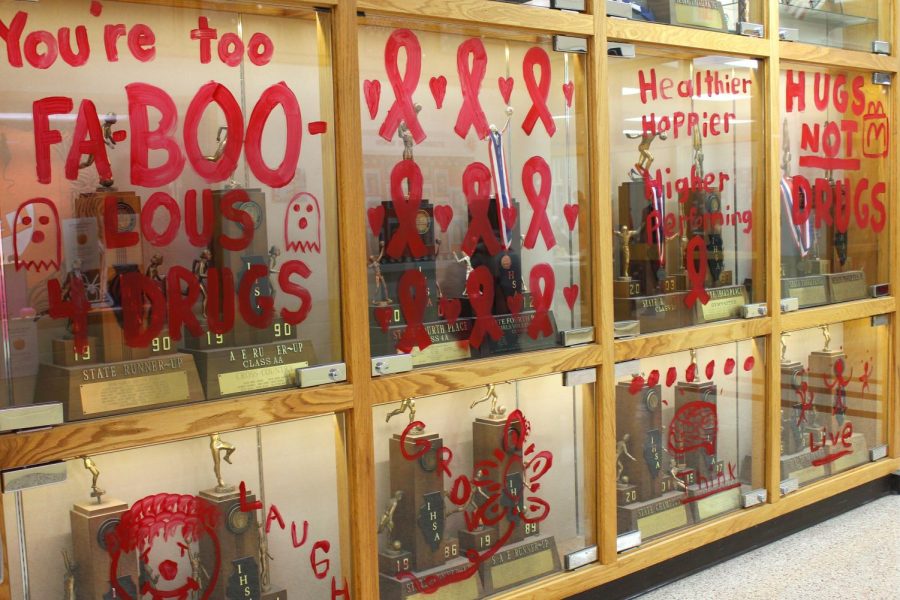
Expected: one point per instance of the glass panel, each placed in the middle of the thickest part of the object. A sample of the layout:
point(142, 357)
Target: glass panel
point(166, 239)
point(834, 191)
point(486, 503)
point(833, 398)
point(476, 188)
point(687, 167)
point(179, 531)
point(850, 24)
point(725, 15)
point(689, 435)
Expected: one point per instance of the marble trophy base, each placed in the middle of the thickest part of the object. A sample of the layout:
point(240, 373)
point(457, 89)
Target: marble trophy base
point(708, 500)
point(412, 583)
point(236, 532)
point(91, 523)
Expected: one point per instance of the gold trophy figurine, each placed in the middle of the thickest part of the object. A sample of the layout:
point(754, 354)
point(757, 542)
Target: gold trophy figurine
point(642, 166)
point(198, 573)
point(381, 291)
point(201, 270)
point(827, 334)
point(625, 235)
point(406, 136)
point(466, 260)
point(407, 404)
point(387, 521)
point(497, 411)
point(68, 577)
point(221, 450)
point(622, 448)
point(91, 466)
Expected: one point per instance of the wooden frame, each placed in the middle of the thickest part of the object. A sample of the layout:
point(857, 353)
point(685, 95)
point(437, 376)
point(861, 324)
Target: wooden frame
point(354, 400)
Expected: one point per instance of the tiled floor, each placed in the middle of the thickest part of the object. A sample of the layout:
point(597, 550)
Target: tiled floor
point(853, 556)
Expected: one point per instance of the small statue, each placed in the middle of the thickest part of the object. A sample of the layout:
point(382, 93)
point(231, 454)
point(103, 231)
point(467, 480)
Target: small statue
point(784, 347)
point(622, 448)
point(74, 273)
point(642, 166)
point(274, 253)
point(468, 262)
point(387, 520)
point(91, 466)
point(406, 136)
point(407, 404)
point(201, 272)
point(221, 450)
point(152, 272)
point(827, 333)
point(381, 290)
point(497, 411)
point(221, 139)
point(68, 577)
point(625, 235)
point(265, 578)
point(198, 574)
point(673, 470)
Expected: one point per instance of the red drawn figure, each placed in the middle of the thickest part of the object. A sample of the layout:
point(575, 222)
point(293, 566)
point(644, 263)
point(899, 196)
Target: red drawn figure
point(36, 237)
point(694, 427)
point(542, 283)
point(696, 271)
point(303, 224)
point(807, 397)
point(838, 388)
point(876, 131)
point(476, 184)
point(450, 309)
point(413, 299)
point(470, 113)
point(404, 86)
point(152, 531)
point(480, 290)
point(538, 90)
point(407, 209)
point(538, 198)
point(865, 377)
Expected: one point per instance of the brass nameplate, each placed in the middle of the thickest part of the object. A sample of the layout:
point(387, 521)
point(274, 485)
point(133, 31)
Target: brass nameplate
point(724, 303)
point(134, 392)
point(440, 353)
point(663, 521)
point(522, 562)
point(707, 14)
point(251, 380)
point(843, 287)
point(718, 504)
point(465, 589)
point(809, 291)
point(860, 454)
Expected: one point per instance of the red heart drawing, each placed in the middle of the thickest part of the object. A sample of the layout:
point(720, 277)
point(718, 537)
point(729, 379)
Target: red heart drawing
point(506, 87)
point(509, 216)
point(450, 308)
point(571, 211)
point(372, 90)
point(376, 218)
point(571, 294)
point(568, 90)
point(438, 87)
point(443, 214)
point(383, 316)
point(515, 303)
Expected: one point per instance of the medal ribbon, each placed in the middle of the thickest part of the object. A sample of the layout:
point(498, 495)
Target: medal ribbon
point(538, 199)
point(406, 207)
point(696, 274)
point(470, 113)
point(659, 205)
point(501, 183)
point(542, 298)
point(802, 237)
point(480, 289)
point(413, 299)
point(476, 183)
point(538, 90)
point(404, 87)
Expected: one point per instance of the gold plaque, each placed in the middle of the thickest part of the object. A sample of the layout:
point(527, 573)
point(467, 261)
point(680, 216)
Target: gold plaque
point(809, 291)
point(514, 572)
point(251, 380)
point(844, 287)
point(718, 504)
point(440, 353)
point(662, 522)
point(724, 303)
point(134, 392)
point(467, 589)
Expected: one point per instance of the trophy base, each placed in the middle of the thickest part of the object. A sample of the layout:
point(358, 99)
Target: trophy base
point(859, 454)
point(91, 523)
point(805, 466)
point(724, 303)
point(519, 563)
point(814, 266)
point(847, 286)
point(99, 390)
point(480, 540)
point(823, 368)
point(713, 499)
point(274, 595)
point(236, 536)
point(626, 287)
point(252, 368)
point(413, 583)
point(655, 517)
point(64, 353)
point(809, 291)
point(654, 313)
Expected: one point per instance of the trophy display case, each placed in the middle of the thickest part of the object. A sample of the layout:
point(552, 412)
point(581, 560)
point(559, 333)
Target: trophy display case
point(850, 24)
point(483, 490)
point(833, 398)
point(835, 185)
point(167, 239)
point(731, 16)
point(251, 513)
point(476, 177)
point(686, 189)
point(689, 436)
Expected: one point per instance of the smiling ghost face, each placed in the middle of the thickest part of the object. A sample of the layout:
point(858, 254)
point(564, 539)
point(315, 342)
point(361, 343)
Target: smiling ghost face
point(302, 224)
point(36, 238)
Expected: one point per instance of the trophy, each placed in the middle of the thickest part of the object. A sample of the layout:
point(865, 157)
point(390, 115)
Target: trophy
point(648, 497)
point(793, 376)
point(92, 522)
point(844, 282)
point(645, 292)
point(414, 519)
point(249, 357)
point(708, 14)
point(499, 473)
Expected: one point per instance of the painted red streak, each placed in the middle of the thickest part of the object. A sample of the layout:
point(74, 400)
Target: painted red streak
point(830, 458)
point(822, 162)
point(317, 127)
point(710, 493)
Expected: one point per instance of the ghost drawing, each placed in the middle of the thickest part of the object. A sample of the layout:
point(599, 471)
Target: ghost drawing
point(303, 224)
point(36, 236)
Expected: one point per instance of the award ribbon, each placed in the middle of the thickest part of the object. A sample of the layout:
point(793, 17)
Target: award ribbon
point(538, 90)
point(476, 184)
point(802, 233)
point(538, 199)
point(480, 289)
point(659, 205)
point(406, 207)
point(542, 298)
point(404, 87)
point(413, 298)
point(501, 184)
point(470, 113)
point(696, 274)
